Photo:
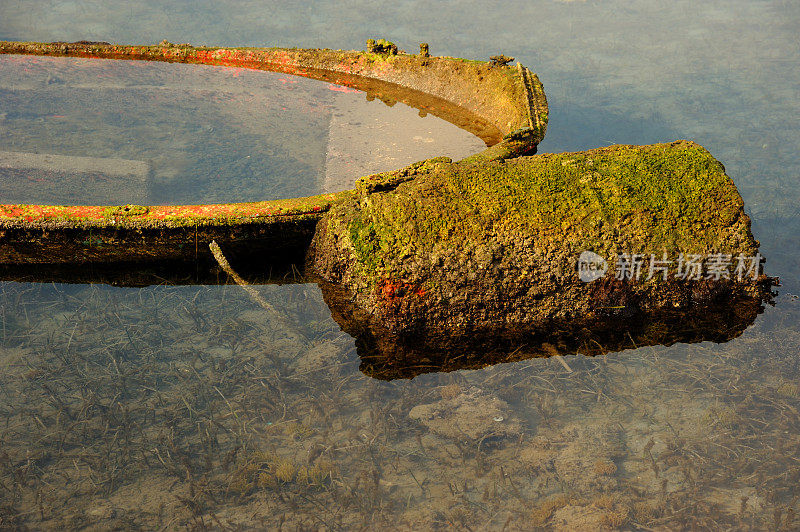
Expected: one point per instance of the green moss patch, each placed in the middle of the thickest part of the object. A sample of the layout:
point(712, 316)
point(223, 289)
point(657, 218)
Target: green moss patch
point(622, 199)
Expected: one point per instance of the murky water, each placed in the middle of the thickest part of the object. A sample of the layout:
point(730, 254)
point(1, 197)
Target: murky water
point(190, 407)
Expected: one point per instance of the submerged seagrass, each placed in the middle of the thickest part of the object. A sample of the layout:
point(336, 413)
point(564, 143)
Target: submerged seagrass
point(444, 250)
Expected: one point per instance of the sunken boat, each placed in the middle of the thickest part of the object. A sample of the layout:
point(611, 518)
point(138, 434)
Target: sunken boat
point(501, 248)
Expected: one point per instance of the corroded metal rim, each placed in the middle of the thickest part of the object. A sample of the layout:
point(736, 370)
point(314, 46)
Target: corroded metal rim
point(505, 106)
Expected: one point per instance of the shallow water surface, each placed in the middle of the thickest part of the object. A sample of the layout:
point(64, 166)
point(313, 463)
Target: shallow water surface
point(190, 407)
point(89, 131)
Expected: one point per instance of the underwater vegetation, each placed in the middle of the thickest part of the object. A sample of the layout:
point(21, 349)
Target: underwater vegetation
point(190, 407)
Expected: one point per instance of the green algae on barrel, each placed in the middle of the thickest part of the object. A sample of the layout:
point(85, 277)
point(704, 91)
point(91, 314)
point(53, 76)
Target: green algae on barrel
point(444, 248)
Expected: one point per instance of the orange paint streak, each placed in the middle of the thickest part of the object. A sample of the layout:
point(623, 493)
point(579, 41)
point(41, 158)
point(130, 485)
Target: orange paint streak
point(339, 88)
point(392, 293)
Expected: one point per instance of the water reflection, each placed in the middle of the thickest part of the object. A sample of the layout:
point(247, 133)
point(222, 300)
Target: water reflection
point(89, 132)
point(387, 356)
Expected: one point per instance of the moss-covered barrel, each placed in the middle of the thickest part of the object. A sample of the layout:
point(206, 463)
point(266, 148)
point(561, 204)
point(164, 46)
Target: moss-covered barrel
point(443, 250)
